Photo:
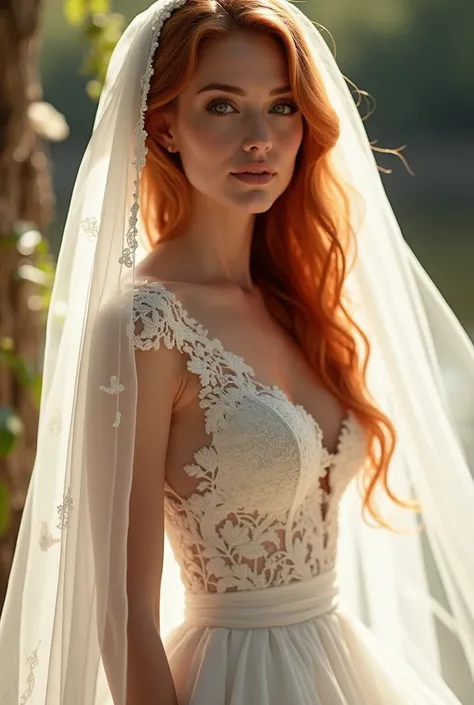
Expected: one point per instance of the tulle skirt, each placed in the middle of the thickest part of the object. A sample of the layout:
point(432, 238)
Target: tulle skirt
point(291, 645)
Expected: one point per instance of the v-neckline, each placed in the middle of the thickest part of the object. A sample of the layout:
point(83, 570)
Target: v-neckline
point(272, 390)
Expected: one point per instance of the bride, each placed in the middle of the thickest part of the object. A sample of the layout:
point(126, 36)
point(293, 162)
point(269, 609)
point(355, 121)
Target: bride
point(246, 389)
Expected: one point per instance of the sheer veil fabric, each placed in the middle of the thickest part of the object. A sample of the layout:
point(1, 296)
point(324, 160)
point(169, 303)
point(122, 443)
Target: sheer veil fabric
point(67, 590)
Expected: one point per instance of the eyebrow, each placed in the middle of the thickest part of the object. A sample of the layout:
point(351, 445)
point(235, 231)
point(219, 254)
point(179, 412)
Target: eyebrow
point(239, 91)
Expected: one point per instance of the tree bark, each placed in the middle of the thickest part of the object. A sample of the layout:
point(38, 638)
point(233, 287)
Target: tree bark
point(25, 195)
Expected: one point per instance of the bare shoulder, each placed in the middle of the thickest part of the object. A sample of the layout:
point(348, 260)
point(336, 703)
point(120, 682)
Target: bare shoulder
point(170, 265)
point(158, 337)
point(169, 261)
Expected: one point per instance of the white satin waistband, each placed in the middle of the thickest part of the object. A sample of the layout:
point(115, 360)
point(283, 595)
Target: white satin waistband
point(270, 607)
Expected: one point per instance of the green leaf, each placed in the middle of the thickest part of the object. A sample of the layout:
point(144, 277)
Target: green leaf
point(99, 6)
point(4, 508)
point(94, 89)
point(19, 365)
point(36, 387)
point(75, 11)
point(91, 64)
point(11, 428)
point(8, 241)
point(8, 357)
point(114, 28)
point(6, 344)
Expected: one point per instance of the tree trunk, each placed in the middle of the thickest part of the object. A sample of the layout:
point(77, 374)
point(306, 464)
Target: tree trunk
point(25, 195)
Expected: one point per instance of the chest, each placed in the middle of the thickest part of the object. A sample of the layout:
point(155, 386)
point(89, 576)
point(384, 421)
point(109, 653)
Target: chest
point(252, 334)
point(250, 434)
point(249, 446)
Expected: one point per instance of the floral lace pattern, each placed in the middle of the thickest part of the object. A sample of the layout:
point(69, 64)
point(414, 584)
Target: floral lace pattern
point(63, 510)
point(47, 540)
point(91, 227)
point(33, 662)
point(260, 515)
point(162, 14)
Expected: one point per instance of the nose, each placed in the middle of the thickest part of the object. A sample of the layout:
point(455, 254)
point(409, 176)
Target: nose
point(258, 140)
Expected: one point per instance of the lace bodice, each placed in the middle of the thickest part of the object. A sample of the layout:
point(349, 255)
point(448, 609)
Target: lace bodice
point(261, 514)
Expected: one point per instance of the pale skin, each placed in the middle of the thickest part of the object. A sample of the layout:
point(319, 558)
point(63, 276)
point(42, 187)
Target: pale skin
point(208, 269)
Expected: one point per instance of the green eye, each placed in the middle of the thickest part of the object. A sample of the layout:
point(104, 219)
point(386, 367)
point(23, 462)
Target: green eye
point(286, 104)
point(216, 105)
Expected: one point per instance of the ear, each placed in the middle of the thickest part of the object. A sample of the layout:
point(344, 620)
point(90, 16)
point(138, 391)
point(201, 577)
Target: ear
point(160, 125)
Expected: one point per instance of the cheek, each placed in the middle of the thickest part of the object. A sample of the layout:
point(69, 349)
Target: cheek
point(207, 137)
point(290, 139)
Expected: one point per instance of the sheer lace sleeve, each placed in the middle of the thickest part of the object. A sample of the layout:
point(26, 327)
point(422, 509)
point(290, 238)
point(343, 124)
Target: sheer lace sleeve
point(109, 443)
point(129, 553)
point(157, 319)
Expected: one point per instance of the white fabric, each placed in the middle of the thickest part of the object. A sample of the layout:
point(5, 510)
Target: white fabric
point(328, 659)
point(261, 609)
point(66, 603)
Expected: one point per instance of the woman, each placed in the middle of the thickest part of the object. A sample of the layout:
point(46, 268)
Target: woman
point(220, 391)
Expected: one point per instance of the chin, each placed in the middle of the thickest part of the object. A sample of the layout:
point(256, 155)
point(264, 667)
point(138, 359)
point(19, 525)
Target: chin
point(254, 202)
point(256, 211)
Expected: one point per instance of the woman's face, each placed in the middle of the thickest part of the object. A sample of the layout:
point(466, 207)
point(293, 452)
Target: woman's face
point(236, 111)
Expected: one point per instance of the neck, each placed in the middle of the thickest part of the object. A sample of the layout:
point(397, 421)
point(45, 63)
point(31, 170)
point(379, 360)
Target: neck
point(218, 240)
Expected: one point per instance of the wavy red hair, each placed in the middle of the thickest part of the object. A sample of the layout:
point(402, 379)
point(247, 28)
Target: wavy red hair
point(299, 255)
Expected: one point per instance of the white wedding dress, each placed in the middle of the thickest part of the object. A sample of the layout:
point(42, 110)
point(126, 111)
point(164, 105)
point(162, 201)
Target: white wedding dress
point(256, 542)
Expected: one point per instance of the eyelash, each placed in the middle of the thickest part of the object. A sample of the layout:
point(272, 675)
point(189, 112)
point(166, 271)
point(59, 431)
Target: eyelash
point(219, 101)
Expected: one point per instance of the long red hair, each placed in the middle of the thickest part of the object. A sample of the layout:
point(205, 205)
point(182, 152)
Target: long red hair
point(299, 254)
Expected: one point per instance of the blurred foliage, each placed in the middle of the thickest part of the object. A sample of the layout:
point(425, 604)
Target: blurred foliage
point(11, 430)
point(101, 29)
point(35, 265)
point(11, 427)
point(414, 56)
point(4, 503)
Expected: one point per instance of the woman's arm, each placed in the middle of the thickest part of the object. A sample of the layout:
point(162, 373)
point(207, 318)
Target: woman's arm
point(149, 676)
point(133, 531)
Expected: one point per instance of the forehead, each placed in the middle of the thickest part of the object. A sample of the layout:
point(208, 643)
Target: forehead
point(242, 58)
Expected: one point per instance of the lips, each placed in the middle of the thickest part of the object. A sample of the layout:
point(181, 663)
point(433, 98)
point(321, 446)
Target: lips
point(255, 168)
point(254, 179)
